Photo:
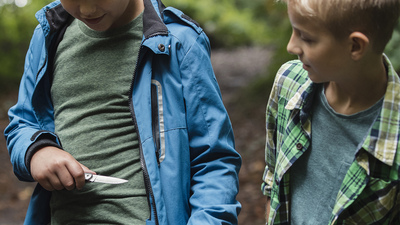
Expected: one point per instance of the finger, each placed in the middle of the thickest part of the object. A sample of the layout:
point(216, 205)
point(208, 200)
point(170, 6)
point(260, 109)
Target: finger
point(77, 171)
point(87, 170)
point(55, 182)
point(67, 180)
point(51, 183)
point(46, 185)
point(57, 185)
point(48, 181)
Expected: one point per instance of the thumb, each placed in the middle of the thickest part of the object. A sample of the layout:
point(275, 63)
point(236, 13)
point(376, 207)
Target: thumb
point(86, 169)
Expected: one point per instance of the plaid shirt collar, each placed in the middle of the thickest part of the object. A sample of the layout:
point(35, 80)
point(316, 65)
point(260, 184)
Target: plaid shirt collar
point(382, 140)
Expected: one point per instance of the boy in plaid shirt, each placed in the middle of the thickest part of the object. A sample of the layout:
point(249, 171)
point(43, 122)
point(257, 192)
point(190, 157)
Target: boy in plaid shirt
point(333, 120)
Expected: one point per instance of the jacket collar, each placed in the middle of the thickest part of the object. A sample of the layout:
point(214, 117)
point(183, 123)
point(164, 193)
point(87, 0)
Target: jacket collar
point(152, 19)
point(53, 17)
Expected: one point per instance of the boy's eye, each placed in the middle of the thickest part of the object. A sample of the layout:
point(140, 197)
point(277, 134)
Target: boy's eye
point(306, 38)
point(302, 36)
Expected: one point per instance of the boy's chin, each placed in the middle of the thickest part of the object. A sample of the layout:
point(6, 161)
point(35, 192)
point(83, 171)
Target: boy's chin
point(314, 78)
point(97, 27)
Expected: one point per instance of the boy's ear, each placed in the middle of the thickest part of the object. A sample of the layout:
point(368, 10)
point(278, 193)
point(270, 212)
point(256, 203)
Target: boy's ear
point(360, 43)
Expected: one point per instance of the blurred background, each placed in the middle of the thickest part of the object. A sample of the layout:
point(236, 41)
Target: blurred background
point(248, 40)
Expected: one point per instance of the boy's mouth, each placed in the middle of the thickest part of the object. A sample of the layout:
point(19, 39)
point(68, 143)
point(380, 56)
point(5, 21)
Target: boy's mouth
point(306, 67)
point(94, 21)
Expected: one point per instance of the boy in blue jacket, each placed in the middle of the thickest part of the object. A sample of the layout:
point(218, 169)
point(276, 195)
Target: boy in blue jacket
point(333, 120)
point(124, 88)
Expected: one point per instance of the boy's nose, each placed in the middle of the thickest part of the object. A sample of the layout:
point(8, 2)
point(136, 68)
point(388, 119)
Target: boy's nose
point(292, 46)
point(87, 8)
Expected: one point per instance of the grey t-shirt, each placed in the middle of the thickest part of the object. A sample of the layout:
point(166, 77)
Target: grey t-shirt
point(90, 92)
point(317, 175)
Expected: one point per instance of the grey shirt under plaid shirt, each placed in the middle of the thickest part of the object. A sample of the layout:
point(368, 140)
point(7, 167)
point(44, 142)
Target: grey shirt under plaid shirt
point(369, 193)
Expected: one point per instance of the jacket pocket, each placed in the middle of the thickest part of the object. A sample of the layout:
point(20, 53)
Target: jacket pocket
point(157, 116)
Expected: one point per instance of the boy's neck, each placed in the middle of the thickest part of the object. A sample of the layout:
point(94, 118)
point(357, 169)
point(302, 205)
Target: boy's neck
point(134, 9)
point(365, 86)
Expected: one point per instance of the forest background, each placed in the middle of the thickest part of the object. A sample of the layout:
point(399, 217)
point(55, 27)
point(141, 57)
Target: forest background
point(248, 40)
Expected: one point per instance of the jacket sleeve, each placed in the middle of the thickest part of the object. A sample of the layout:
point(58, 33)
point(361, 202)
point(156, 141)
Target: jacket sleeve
point(215, 163)
point(25, 133)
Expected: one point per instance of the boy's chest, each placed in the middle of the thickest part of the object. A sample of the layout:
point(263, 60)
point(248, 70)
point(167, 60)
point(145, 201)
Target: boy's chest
point(377, 190)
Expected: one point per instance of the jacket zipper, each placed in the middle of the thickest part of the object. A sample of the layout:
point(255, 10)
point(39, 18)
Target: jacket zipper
point(147, 183)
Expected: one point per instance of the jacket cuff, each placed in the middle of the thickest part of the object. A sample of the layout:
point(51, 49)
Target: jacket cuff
point(40, 143)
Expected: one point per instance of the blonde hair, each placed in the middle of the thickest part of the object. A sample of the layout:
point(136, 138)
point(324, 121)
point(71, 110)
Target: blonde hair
point(374, 18)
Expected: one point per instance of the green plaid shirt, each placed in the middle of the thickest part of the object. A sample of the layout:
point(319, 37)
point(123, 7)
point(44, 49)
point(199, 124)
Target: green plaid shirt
point(369, 193)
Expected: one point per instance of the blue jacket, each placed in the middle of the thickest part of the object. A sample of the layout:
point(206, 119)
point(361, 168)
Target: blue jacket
point(187, 147)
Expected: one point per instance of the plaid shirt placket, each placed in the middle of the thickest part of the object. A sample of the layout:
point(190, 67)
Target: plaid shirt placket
point(370, 191)
point(285, 131)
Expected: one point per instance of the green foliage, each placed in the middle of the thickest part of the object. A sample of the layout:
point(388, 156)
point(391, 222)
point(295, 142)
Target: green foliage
point(225, 23)
point(392, 49)
point(16, 27)
point(275, 16)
